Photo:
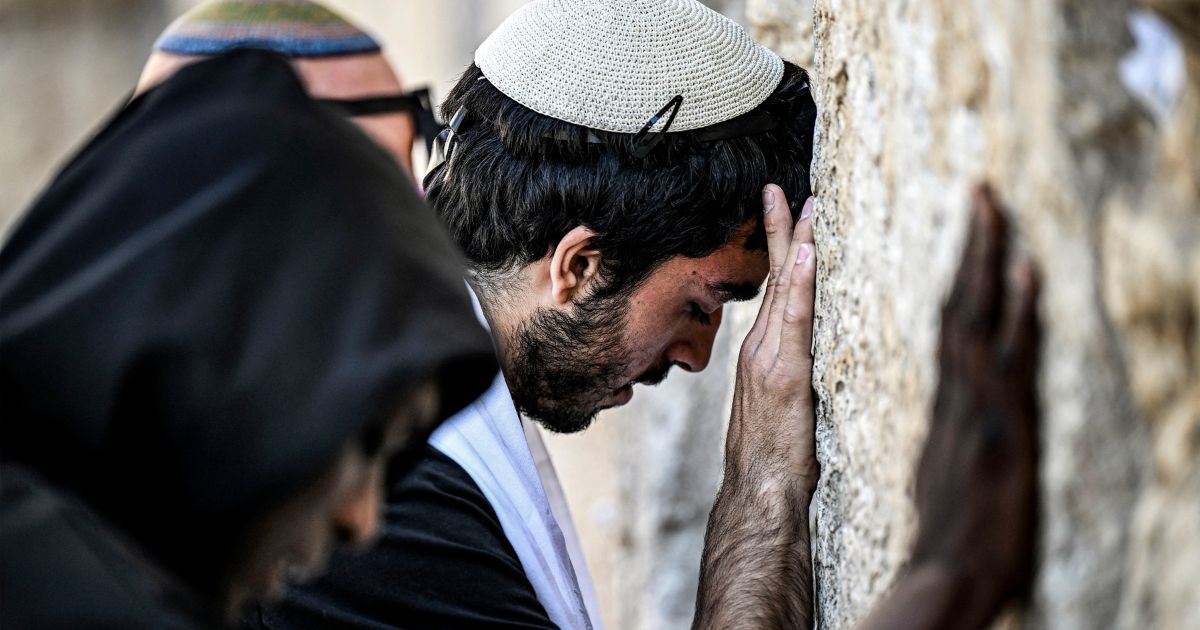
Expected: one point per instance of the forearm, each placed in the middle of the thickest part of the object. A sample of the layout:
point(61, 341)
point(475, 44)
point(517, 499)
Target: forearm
point(756, 571)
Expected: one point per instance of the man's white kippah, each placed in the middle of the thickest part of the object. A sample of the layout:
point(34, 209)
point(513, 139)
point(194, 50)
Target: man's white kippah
point(613, 64)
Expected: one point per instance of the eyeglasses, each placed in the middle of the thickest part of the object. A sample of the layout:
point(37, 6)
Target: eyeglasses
point(416, 102)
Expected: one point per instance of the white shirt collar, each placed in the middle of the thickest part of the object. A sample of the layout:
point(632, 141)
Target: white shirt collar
point(505, 456)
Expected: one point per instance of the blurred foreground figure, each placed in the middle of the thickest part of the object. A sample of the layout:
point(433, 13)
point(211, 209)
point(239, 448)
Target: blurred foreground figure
point(218, 325)
point(338, 63)
point(977, 482)
point(615, 171)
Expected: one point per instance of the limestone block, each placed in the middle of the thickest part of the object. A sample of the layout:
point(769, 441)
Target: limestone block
point(785, 26)
point(918, 101)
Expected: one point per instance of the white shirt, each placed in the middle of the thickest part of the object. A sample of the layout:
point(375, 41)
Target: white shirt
point(504, 455)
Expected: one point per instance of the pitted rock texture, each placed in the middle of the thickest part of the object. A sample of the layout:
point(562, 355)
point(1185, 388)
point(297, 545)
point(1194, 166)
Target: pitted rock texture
point(918, 102)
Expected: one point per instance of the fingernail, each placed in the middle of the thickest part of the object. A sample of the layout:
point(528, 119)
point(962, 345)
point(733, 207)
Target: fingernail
point(808, 208)
point(805, 253)
point(768, 200)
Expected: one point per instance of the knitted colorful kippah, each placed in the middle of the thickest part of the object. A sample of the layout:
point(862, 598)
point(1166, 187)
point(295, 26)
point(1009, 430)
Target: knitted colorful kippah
point(293, 28)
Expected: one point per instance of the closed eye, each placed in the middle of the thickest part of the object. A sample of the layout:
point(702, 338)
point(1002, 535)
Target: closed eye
point(733, 291)
point(697, 313)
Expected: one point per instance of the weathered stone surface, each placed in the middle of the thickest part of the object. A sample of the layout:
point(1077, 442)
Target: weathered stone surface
point(785, 27)
point(920, 100)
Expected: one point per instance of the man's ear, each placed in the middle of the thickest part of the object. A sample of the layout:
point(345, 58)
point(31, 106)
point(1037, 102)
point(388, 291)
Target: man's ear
point(574, 265)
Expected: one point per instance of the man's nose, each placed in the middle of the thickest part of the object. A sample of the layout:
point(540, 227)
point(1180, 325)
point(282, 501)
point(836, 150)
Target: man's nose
point(693, 349)
point(357, 518)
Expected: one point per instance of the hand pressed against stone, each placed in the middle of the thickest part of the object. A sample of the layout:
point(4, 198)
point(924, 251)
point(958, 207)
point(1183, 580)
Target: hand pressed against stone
point(773, 417)
point(756, 570)
point(976, 485)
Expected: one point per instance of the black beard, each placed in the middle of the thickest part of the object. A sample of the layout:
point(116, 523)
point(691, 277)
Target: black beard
point(562, 365)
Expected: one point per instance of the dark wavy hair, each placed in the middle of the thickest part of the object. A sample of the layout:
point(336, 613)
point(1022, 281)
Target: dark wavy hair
point(517, 181)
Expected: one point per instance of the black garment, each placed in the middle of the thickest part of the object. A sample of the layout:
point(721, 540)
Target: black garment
point(442, 561)
point(65, 568)
point(228, 285)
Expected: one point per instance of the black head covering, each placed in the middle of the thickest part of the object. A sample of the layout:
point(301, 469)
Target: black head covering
point(225, 286)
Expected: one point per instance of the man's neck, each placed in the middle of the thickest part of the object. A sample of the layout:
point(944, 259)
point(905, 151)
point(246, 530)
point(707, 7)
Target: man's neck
point(497, 316)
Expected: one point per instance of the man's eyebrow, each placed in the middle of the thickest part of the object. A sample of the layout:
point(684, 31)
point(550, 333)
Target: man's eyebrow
point(733, 291)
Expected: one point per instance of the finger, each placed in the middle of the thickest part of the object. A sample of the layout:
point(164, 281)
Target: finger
point(777, 221)
point(1019, 347)
point(804, 226)
point(795, 343)
point(1025, 347)
point(988, 264)
point(801, 235)
point(1019, 331)
point(1007, 433)
point(978, 285)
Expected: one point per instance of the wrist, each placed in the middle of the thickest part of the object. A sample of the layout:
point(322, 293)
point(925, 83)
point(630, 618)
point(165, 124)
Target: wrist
point(949, 586)
point(774, 453)
point(768, 482)
point(777, 473)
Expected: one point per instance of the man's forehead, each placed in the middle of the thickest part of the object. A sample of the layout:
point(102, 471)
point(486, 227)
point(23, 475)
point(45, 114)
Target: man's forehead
point(732, 273)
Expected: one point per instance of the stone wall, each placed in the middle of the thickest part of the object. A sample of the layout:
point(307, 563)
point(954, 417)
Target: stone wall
point(918, 101)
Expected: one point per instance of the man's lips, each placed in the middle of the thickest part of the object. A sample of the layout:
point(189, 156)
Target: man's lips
point(624, 394)
point(619, 397)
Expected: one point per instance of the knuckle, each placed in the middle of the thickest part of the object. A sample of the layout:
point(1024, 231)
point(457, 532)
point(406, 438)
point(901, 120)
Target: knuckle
point(799, 231)
point(797, 366)
point(801, 273)
point(780, 380)
point(782, 282)
point(795, 315)
point(761, 364)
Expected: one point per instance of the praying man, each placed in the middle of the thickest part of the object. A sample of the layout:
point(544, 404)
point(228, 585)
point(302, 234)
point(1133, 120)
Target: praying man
point(615, 171)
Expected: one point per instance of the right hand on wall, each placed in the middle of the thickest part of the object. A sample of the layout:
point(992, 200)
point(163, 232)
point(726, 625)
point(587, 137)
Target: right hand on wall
point(772, 425)
point(756, 571)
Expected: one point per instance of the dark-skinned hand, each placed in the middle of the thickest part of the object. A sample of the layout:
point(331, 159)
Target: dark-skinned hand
point(977, 482)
